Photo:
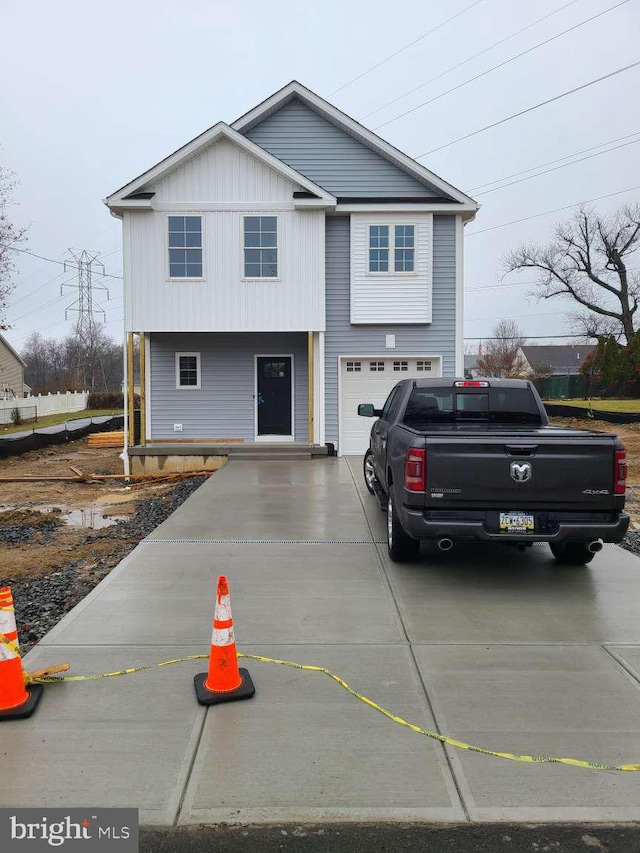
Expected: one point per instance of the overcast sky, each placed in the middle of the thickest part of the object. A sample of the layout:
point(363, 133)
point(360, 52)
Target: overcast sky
point(97, 92)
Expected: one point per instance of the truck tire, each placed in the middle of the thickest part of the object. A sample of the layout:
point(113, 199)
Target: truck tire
point(400, 545)
point(370, 479)
point(571, 553)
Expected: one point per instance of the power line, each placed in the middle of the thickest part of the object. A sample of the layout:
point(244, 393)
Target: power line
point(500, 65)
point(51, 260)
point(468, 59)
point(37, 289)
point(555, 210)
point(406, 47)
point(495, 286)
point(551, 162)
point(533, 337)
point(555, 168)
point(501, 316)
point(531, 109)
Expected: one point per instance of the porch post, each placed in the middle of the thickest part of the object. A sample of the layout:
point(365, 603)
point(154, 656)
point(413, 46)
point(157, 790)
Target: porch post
point(130, 389)
point(311, 380)
point(143, 389)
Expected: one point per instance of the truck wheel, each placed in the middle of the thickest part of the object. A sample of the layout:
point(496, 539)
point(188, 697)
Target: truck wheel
point(400, 545)
point(370, 479)
point(571, 553)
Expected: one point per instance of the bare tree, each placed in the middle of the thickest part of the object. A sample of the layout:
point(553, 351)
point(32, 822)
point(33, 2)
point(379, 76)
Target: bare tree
point(502, 355)
point(10, 236)
point(587, 261)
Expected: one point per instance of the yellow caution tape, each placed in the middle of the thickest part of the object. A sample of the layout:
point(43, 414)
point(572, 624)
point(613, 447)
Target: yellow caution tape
point(11, 644)
point(510, 756)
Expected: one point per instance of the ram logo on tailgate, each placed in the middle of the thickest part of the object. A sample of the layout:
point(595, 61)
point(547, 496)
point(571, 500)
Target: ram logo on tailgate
point(521, 471)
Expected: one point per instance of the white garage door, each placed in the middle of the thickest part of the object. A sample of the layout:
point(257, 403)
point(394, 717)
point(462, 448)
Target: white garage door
point(369, 380)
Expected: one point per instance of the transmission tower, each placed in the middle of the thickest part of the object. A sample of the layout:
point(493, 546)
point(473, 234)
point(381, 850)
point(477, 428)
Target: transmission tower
point(85, 306)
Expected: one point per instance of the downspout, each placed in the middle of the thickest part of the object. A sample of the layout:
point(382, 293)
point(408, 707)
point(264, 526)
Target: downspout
point(311, 372)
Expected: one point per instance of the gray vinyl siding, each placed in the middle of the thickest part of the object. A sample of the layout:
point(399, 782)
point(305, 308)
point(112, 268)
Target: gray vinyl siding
point(435, 338)
point(223, 407)
point(327, 155)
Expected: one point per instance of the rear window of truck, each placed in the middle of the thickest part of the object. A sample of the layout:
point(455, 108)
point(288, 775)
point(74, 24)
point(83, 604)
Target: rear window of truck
point(452, 405)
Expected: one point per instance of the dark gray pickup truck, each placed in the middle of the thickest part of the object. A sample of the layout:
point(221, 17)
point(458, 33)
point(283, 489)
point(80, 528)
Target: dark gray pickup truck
point(476, 460)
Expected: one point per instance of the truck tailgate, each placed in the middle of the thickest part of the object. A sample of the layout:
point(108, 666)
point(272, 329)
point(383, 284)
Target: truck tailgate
point(517, 472)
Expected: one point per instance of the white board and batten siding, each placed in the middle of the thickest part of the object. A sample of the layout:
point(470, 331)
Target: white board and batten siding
point(223, 185)
point(370, 380)
point(396, 297)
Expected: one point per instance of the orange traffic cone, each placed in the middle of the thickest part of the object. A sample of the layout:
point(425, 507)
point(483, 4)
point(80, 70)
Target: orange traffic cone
point(224, 681)
point(16, 700)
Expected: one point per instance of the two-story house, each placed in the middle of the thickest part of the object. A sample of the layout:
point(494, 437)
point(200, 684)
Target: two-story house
point(284, 268)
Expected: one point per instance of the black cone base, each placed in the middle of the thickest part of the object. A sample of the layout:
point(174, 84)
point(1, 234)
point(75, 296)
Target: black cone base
point(208, 697)
point(27, 708)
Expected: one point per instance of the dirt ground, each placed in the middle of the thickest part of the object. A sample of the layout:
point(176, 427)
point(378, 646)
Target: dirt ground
point(67, 522)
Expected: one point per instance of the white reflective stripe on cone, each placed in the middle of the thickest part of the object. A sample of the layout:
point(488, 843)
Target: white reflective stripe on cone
point(7, 621)
point(222, 636)
point(223, 609)
point(9, 652)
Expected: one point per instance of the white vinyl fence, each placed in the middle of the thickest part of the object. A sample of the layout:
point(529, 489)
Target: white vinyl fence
point(44, 404)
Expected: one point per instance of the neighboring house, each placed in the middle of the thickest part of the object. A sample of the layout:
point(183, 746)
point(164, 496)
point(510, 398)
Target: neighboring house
point(11, 372)
point(285, 268)
point(564, 360)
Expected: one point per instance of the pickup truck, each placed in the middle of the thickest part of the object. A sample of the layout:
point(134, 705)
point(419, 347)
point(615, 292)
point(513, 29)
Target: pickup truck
point(457, 460)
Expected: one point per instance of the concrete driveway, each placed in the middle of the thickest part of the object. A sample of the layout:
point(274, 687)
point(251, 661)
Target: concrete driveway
point(500, 649)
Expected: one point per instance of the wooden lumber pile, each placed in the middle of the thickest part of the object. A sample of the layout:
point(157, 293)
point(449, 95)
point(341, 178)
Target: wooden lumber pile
point(106, 439)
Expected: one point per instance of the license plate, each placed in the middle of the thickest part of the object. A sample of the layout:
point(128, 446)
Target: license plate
point(516, 522)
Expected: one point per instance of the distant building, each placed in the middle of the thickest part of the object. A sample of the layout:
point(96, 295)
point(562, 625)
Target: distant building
point(563, 360)
point(11, 372)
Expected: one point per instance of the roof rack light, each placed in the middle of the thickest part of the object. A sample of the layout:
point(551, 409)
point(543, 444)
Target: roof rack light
point(471, 383)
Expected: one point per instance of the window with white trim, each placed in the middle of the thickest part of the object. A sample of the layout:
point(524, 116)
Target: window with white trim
point(188, 370)
point(260, 246)
point(354, 367)
point(400, 365)
point(423, 365)
point(185, 247)
point(392, 248)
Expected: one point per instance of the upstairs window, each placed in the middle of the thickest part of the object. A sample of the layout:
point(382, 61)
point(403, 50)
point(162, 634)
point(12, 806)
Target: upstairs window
point(260, 246)
point(185, 247)
point(391, 248)
point(404, 248)
point(379, 248)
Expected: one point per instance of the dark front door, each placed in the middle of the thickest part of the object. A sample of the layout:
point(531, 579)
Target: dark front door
point(274, 395)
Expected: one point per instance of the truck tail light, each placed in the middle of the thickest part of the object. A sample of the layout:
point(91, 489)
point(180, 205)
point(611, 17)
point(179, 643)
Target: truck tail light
point(620, 473)
point(415, 470)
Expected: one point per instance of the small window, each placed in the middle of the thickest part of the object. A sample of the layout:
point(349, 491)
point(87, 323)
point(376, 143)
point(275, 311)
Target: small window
point(185, 247)
point(400, 365)
point(354, 367)
point(404, 248)
point(423, 365)
point(260, 246)
point(187, 370)
point(376, 366)
point(379, 248)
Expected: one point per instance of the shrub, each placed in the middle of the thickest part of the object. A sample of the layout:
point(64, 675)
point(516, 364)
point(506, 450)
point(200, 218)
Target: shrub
point(108, 400)
point(16, 416)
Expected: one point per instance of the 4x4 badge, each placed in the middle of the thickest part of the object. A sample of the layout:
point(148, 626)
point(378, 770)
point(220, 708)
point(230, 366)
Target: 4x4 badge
point(521, 471)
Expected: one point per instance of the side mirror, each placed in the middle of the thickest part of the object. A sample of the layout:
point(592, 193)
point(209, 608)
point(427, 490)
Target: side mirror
point(366, 410)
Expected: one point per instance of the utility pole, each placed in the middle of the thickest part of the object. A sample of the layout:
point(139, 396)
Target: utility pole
point(85, 306)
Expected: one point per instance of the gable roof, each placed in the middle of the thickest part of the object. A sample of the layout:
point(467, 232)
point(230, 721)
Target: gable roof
point(133, 194)
point(4, 342)
point(558, 356)
point(296, 91)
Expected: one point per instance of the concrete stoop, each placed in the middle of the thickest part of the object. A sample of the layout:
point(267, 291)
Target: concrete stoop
point(170, 458)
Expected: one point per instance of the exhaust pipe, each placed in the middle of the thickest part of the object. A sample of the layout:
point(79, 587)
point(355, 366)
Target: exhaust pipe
point(445, 544)
point(595, 546)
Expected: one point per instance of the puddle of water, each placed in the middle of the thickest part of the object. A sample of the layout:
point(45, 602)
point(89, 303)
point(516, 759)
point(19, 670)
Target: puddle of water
point(92, 517)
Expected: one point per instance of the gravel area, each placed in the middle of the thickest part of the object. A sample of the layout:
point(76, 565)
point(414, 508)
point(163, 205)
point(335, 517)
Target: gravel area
point(41, 602)
point(631, 542)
